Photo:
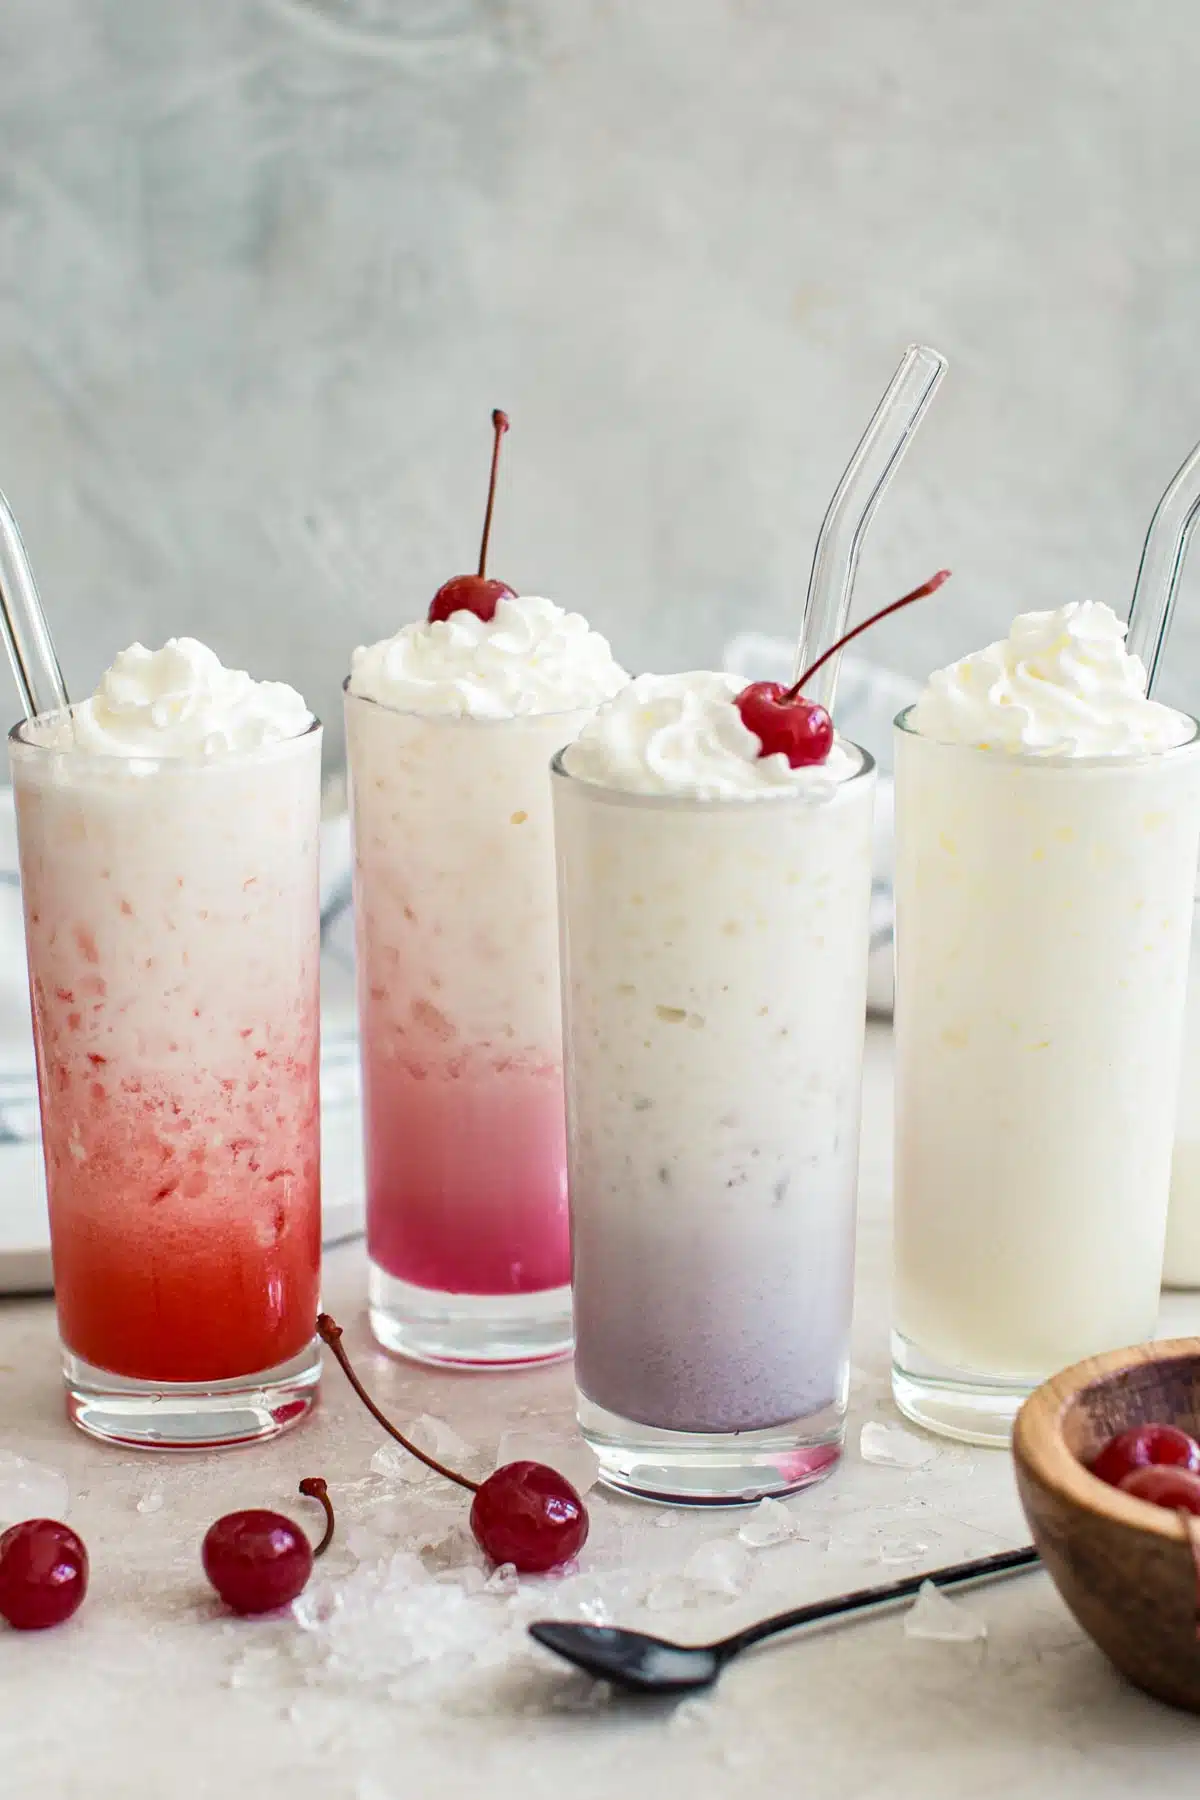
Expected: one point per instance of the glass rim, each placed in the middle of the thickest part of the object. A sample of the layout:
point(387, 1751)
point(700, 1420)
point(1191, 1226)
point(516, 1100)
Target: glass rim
point(787, 798)
point(142, 762)
point(1050, 759)
point(428, 718)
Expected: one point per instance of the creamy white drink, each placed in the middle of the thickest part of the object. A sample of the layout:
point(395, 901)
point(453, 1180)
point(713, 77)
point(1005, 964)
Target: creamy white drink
point(714, 913)
point(450, 728)
point(168, 840)
point(1181, 1258)
point(1047, 820)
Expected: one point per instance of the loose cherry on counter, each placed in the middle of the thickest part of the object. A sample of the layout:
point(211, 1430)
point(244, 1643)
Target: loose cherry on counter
point(1145, 1447)
point(43, 1574)
point(525, 1513)
point(1176, 1488)
point(475, 593)
point(787, 724)
point(259, 1560)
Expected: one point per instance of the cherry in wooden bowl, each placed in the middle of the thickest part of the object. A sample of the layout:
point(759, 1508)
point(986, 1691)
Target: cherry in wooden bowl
point(1126, 1569)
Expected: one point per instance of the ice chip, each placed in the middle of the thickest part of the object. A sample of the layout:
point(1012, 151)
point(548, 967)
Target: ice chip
point(315, 1607)
point(397, 1464)
point(150, 1502)
point(451, 1549)
point(28, 1490)
point(570, 1456)
point(894, 1448)
point(440, 1440)
point(721, 1566)
point(666, 1519)
point(937, 1618)
point(595, 1612)
point(902, 1550)
point(769, 1523)
point(503, 1580)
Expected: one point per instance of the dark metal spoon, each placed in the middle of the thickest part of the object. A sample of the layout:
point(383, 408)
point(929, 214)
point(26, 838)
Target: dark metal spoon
point(650, 1665)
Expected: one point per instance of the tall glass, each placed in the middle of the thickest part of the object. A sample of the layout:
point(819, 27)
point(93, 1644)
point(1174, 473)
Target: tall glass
point(461, 1032)
point(714, 982)
point(1043, 917)
point(171, 919)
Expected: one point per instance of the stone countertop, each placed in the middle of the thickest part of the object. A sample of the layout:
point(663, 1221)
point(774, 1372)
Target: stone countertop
point(151, 1693)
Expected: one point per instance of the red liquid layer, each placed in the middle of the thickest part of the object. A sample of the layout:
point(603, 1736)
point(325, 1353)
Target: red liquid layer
point(185, 1214)
point(466, 1174)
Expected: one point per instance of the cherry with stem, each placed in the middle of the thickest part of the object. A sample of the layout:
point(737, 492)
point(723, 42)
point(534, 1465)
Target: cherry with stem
point(476, 593)
point(525, 1513)
point(258, 1560)
point(786, 723)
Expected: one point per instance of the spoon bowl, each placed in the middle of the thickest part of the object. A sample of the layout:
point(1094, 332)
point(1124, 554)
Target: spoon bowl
point(630, 1659)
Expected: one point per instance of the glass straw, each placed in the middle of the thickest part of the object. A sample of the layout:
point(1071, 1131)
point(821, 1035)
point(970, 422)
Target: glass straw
point(1163, 556)
point(26, 633)
point(844, 527)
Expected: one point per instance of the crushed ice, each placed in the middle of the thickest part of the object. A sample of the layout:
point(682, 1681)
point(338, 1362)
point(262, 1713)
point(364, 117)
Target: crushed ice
point(721, 1566)
point(503, 1580)
point(150, 1502)
point(937, 1618)
point(436, 1438)
point(769, 1523)
point(28, 1490)
point(894, 1448)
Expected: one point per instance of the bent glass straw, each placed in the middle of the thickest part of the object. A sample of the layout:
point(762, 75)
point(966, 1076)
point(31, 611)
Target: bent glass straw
point(844, 527)
point(1163, 556)
point(26, 633)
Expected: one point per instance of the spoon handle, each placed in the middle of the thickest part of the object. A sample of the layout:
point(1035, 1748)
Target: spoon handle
point(1005, 1562)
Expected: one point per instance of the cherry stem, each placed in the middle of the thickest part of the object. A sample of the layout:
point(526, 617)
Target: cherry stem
point(927, 587)
point(330, 1333)
point(313, 1488)
point(499, 426)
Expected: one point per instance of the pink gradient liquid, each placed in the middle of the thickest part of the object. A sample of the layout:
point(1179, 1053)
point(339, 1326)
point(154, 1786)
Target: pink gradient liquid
point(467, 1176)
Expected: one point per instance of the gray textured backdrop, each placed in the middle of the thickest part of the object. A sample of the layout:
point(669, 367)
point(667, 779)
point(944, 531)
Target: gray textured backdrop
point(265, 265)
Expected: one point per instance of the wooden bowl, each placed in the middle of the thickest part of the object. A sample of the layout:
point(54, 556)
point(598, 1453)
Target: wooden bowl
point(1130, 1572)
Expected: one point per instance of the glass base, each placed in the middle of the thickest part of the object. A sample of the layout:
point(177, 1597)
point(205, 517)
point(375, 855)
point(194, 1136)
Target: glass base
point(711, 1469)
point(191, 1415)
point(956, 1403)
point(471, 1331)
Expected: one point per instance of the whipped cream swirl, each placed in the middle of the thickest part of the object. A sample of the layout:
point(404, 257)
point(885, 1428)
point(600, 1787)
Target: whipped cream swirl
point(182, 701)
point(1061, 684)
point(683, 735)
point(531, 657)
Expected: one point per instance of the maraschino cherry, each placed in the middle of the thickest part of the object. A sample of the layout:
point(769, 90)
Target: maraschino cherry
point(43, 1574)
point(259, 1560)
point(787, 724)
point(1146, 1447)
point(475, 593)
point(525, 1513)
point(1176, 1488)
